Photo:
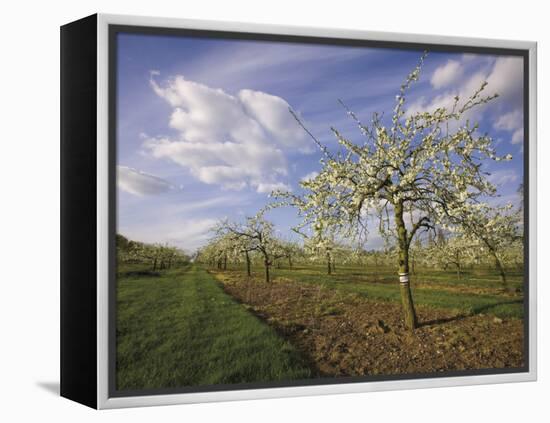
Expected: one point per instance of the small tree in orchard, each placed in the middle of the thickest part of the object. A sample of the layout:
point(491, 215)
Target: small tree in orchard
point(455, 251)
point(225, 248)
point(497, 228)
point(291, 251)
point(417, 253)
point(321, 246)
point(425, 165)
point(321, 249)
point(210, 255)
point(347, 255)
point(240, 245)
point(205, 255)
point(259, 235)
point(217, 252)
point(513, 255)
point(355, 257)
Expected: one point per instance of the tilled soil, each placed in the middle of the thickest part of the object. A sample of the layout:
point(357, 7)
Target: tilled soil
point(349, 335)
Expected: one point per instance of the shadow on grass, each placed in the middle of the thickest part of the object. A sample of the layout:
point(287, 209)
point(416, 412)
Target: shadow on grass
point(488, 307)
point(476, 310)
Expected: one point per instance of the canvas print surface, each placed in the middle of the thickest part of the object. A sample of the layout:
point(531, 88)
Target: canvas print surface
point(295, 212)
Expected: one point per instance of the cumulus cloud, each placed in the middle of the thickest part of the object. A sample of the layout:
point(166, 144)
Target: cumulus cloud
point(139, 183)
point(506, 79)
point(233, 141)
point(273, 114)
point(517, 136)
point(446, 74)
point(512, 122)
point(309, 176)
point(446, 99)
point(504, 76)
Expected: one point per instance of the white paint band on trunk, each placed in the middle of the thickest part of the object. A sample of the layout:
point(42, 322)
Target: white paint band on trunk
point(403, 278)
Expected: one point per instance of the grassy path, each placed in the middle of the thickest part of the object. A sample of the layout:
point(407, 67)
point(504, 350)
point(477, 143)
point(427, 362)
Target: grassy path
point(179, 329)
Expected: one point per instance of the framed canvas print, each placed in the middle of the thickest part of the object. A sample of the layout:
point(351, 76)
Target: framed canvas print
point(254, 211)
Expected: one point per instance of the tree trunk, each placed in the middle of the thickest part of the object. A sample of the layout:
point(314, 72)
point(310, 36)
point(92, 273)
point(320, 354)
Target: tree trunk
point(457, 262)
point(404, 283)
point(155, 265)
point(329, 268)
point(289, 262)
point(266, 264)
point(247, 263)
point(225, 262)
point(500, 269)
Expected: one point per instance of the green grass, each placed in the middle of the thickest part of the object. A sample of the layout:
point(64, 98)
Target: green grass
point(382, 285)
point(180, 329)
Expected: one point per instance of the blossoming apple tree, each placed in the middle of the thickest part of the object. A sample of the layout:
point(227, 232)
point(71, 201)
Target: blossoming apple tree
point(255, 234)
point(412, 171)
point(495, 228)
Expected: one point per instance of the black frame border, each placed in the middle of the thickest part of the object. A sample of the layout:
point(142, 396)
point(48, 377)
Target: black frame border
point(78, 211)
point(115, 29)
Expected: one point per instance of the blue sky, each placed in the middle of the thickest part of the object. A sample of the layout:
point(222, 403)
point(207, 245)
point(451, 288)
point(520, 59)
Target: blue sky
point(204, 131)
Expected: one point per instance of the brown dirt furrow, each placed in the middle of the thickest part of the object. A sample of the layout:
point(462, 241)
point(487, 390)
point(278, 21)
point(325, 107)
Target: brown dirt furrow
point(350, 335)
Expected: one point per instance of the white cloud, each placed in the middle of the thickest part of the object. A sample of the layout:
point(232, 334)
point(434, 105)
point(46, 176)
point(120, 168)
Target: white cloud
point(139, 183)
point(468, 57)
point(232, 141)
point(424, 104)
point(446, 74)
point(268, 188)
point(506, 79)
point(273, 114)
point(503, 177)
point(517, 137)
point(513, 122)
point(504, 76)
point(446, 99)
point(309, 176)
point(510, 121)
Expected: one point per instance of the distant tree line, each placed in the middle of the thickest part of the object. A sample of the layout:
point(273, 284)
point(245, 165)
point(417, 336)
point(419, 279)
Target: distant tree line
point(155, 256)
point(254, 242)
